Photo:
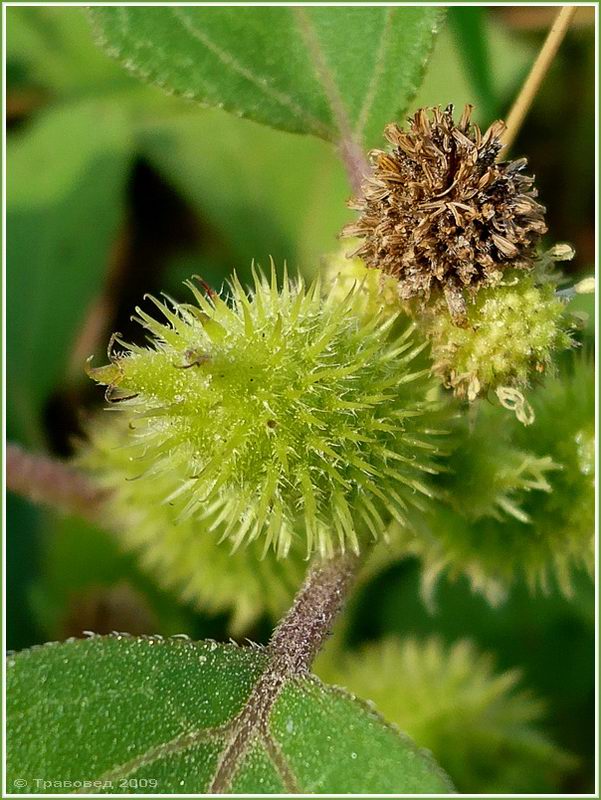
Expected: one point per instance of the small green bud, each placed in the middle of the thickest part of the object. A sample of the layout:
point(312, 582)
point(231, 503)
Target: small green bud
point(511, 334)
point(281, 415)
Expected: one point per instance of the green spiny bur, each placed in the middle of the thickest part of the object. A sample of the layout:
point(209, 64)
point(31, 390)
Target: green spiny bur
point(519, 500)
point(374, 292)
point(489, 476)
point(184, 556)
point(283, 415)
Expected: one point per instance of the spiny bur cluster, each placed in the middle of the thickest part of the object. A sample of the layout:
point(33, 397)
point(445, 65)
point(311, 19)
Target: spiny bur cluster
point(278, 417)
point(441, 214)
point(517, 502)
point(511, 335)
point(479, 724)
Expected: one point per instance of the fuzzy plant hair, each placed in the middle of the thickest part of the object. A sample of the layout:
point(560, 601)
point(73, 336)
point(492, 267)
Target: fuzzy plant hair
point(285, 416)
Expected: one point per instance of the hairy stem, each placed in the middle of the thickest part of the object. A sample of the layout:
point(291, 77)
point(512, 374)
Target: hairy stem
point(537, 73)
point(355, 163)
point(300, 635)
point(48, 481)
point(293, 646)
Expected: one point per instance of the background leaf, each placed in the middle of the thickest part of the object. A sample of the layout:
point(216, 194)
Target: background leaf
point(469, 26)
point(65, 183)
point(266, 193)
point(337, 73)
point(150, 708)
point(52, 49)
point(89, 583)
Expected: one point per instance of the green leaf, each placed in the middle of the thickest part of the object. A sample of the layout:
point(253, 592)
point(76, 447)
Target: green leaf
point(338, 73)
point(157, 715)
point(65, 189)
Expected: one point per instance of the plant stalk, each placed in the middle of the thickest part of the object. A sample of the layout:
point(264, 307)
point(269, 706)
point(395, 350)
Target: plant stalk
point(291, 650)
point(537, 73)
point(355, 163)
point(302, 632)
point(48, 481)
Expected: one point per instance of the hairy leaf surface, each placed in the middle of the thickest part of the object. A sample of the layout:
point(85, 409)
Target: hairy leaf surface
point(124, 711)
point(338, 73)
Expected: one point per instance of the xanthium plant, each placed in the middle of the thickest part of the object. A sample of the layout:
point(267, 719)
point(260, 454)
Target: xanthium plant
point(269, 446)
point(280, 421)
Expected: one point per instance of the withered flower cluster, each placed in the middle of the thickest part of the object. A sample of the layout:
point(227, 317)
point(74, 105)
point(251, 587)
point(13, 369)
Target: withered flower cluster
point(441, 214)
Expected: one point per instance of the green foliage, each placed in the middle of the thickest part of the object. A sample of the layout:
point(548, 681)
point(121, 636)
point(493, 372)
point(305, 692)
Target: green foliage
point(155, 715)
point(455, 74)
point(51, 48)
point(282, 415)
point(478, 725)
point(470, 29)
point(64, 209)
point(338, 74)
point(257, 207)
point(89, 583)
point(521, 498)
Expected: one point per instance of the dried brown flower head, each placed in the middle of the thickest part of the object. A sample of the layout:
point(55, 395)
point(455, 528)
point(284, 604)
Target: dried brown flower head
point(441, 214)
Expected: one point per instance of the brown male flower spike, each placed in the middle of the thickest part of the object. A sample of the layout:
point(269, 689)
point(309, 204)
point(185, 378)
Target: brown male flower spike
point(441, 214)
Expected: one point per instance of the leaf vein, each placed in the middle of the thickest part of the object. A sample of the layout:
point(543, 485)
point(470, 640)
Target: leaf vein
point(280, 762)
point(176, 745)
point(229, 61)
point(324, 73)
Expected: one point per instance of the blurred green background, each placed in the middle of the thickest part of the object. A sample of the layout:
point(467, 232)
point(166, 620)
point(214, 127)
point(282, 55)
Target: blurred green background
point(115, 190)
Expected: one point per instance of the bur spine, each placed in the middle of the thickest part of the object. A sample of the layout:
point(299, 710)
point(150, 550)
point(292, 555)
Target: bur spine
point(285, 417)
